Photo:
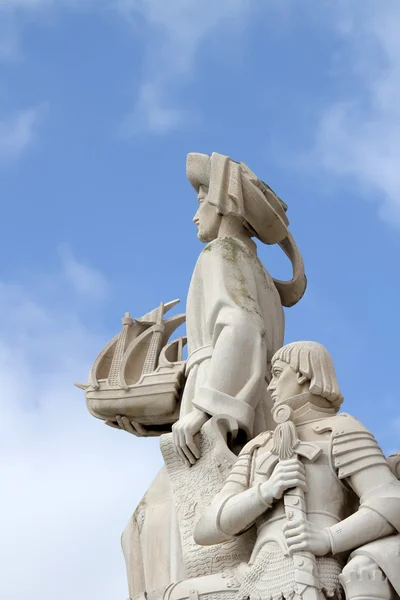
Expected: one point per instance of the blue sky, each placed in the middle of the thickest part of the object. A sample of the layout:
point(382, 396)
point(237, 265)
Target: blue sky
point(100, 101)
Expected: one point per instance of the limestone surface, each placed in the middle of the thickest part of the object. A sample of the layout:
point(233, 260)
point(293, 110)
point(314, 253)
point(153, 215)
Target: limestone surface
point(268, 491)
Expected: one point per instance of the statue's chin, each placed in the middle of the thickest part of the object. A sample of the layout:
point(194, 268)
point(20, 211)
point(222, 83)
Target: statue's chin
point(203, 238)
point(206, 236)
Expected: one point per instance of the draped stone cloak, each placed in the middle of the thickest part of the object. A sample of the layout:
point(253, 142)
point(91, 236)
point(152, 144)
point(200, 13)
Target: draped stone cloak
point(235, 323)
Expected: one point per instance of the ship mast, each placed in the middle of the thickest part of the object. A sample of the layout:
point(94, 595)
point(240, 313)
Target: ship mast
point(150, 362)
point(113, 376)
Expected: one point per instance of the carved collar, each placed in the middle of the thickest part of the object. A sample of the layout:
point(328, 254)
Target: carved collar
point(308, 411)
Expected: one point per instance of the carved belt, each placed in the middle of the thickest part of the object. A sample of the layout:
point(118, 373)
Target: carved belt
point(198, 356)
point(221, 584)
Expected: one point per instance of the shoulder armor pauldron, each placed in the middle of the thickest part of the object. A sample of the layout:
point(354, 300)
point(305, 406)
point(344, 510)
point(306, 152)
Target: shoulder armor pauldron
point(340, 424)
point(394, 464)
point(257, 442)
point(241, 470)
point(354, 448)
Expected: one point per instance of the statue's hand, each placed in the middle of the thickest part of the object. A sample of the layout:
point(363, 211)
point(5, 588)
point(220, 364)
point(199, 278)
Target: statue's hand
point(303, 536)
point(126, 425)
point(183, 432)
point(287, 474)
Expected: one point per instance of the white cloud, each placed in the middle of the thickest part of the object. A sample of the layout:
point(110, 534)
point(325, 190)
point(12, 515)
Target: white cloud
point(172, 31)
point(175, 31)
point(9, 38)
point(150, 113)
point(10, 15)
point(18, 4)
point(17, 132)
point(69, 483)
point(85, 280)
point(358, 136)
point(15, 14)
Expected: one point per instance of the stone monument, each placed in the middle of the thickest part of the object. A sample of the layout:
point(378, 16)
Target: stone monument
point(267, 492)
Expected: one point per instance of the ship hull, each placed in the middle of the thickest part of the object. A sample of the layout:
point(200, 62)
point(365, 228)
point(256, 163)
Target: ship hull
point(153, 400)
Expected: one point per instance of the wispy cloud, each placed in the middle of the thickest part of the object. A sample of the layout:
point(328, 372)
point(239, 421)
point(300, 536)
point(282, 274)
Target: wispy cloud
point(358, 136)
point(11, 12)
point(174, 32)
point(151, 114)
point(85, 280)
point(69, 483)
point(15, 14)
point(9, 37)
point(17, 132)
point(17, 128)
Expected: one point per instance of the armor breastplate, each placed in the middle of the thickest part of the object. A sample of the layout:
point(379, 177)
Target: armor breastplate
point(328, 500)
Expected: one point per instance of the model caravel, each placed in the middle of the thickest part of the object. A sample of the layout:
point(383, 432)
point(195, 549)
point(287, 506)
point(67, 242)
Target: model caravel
point(139, 374)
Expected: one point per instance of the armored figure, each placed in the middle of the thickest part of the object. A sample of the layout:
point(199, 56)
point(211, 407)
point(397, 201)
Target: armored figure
point(351, 508)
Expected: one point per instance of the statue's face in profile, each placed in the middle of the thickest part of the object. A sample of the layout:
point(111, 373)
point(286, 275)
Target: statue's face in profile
point(284, 383)
point(207, 219)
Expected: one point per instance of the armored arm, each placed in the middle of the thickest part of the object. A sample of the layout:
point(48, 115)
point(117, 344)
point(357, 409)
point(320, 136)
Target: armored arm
point(243, 499)
point(359, 460)
point(236, 507)
point(362, 527)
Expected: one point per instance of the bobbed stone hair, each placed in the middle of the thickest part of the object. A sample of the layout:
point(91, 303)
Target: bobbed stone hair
point(314, 363)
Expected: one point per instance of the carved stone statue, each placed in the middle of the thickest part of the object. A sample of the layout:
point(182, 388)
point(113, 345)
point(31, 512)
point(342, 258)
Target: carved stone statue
point(318, 490)
point(219, 399)
point(235, 323)
point(267, 492)
point(234, 314)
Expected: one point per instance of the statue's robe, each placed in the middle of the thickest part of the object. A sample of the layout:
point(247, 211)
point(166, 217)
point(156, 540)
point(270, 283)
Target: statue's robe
point(235, 323)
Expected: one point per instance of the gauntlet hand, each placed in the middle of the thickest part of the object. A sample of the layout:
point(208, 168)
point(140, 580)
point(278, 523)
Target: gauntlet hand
point(303, 536)
point(286, 475)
